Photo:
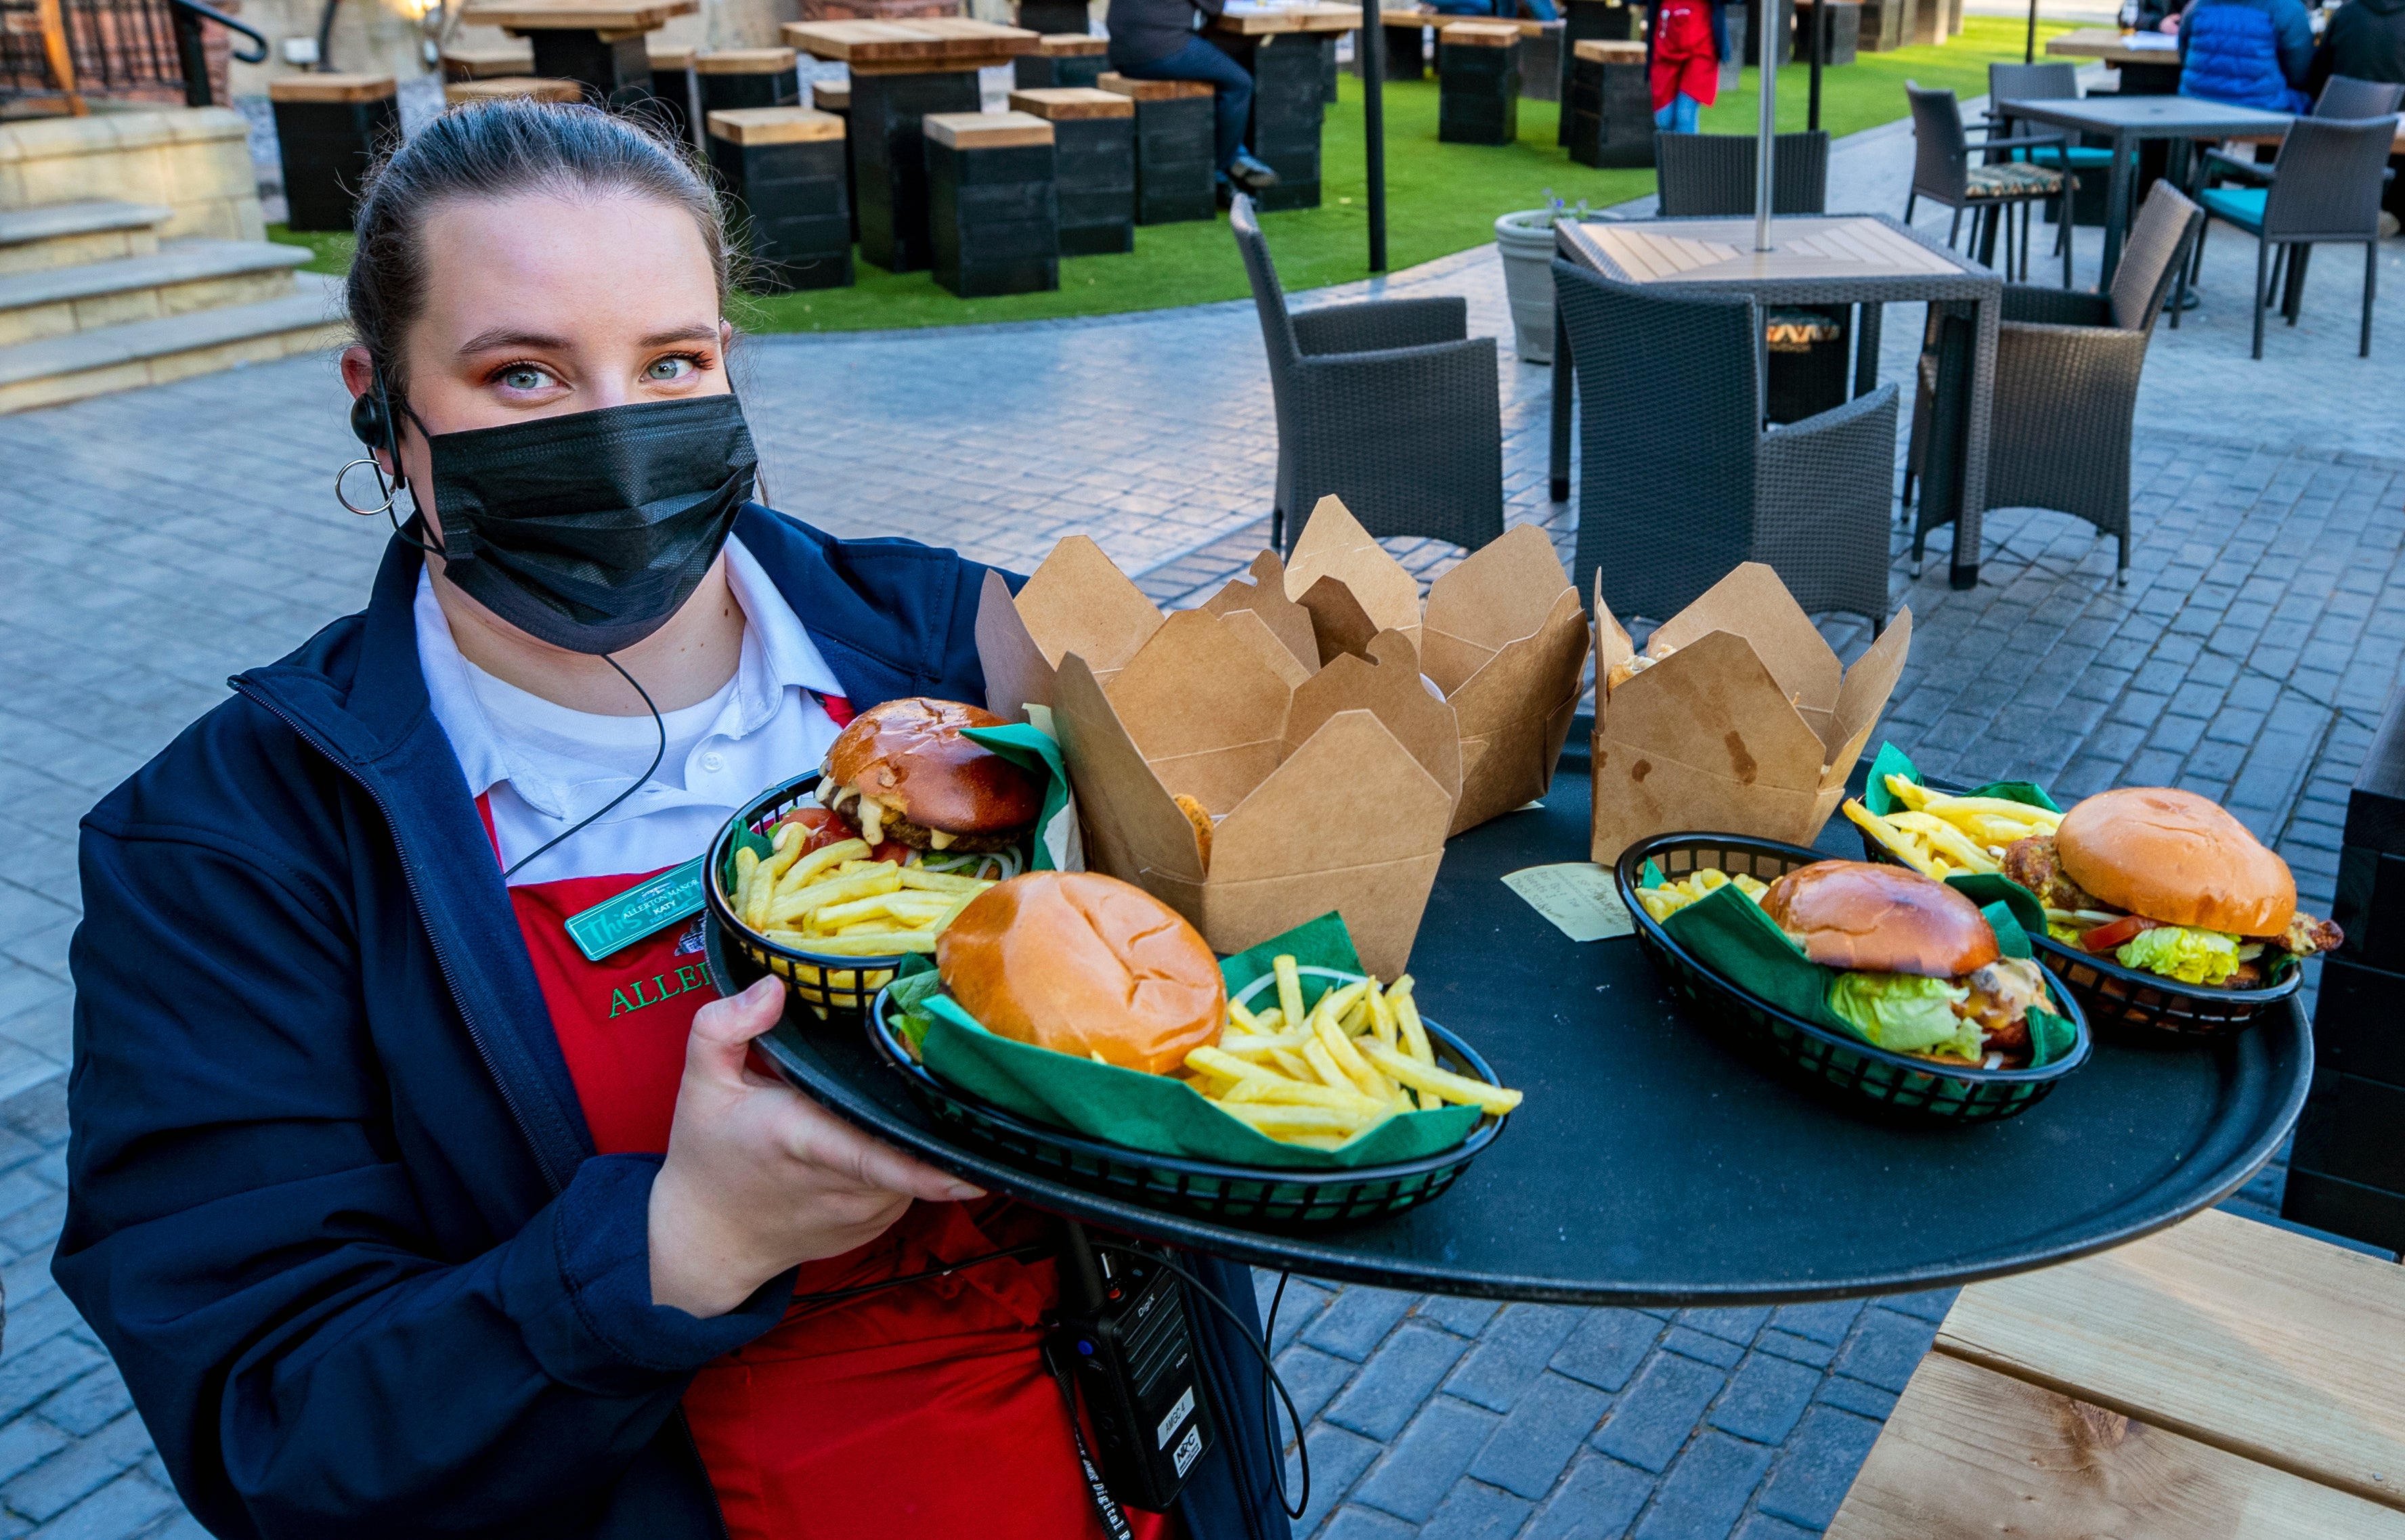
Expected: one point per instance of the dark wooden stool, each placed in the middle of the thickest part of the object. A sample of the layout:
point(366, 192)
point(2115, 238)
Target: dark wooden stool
point(785, 166)
point(1844, 30)
point(733, 79)
point(1093, 165)
point(327, 127)
point(993, 212)
point(675, 94)
point(889, 159)
point(1176, 145)
point(496, 88)
point(1406, 30)
point(487, 63)
point(1607, 19)
point(1478, 72)
point(834, 96)
point(1608, 116)
point(1061, 60)
point(1053, 18)
point(1289, 104)
point(1807, 361)
point(1884, 26)
point(1542, 53)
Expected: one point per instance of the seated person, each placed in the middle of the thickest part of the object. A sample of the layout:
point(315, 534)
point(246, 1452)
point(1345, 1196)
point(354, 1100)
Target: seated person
point(1156, 41)
point(2249, 53)
point(2364, 40)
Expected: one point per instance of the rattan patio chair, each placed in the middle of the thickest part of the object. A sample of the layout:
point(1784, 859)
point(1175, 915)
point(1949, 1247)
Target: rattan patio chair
point(2325, 188)
point(1389, 404)
point(2343, 96)
point(2056, 81)
point(1703, 174)
point(2066, 396)
point(1942, 172)
point(1679, 482)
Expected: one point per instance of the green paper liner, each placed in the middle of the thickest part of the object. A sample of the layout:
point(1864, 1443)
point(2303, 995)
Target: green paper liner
point(1157, 1113)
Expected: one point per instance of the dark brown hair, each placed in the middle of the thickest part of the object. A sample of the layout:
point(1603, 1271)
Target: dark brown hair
point(499, 149)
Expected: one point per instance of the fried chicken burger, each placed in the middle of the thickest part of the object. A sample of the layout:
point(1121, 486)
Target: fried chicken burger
point(1919, 969)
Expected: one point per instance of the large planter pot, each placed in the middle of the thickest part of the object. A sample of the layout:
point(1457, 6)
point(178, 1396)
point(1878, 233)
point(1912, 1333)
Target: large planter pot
point(1526, 240)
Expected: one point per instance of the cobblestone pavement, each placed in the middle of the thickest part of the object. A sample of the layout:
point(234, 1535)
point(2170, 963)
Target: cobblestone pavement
point(163, 540)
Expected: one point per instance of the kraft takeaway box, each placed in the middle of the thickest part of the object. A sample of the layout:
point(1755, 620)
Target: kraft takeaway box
point(1332, 794)
point(1745, 723)
point(1503, 636)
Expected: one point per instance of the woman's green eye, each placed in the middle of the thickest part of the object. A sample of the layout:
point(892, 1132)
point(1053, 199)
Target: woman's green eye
point(669, 369)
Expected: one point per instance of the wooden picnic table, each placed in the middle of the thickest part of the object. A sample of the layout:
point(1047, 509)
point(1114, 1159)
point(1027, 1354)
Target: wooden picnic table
point(2222, 1379)
point(2144, 72)
point(598, 44)
point(919, 46)
point(1253, 19)
point(1861, 260)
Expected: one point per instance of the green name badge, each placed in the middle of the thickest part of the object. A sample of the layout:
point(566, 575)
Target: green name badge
point(615, 924)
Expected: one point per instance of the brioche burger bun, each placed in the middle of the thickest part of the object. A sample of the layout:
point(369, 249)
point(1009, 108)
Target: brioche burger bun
point(902, 772)
point(1086, 965)
point(1919, 968)
point(2175, 857)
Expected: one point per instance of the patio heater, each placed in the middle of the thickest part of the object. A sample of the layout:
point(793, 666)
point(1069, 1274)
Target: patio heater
point(1767, 51)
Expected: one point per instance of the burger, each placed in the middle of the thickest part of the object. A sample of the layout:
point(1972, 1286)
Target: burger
point(902, 775)
point(1919, 972)
point(1088, 965)
point(2168, 883)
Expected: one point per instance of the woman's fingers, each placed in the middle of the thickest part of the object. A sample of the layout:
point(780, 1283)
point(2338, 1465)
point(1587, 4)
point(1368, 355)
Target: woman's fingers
point(723, 1031)
point(830, 1144)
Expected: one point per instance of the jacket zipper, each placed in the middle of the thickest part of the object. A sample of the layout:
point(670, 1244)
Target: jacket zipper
point(418, 902)
point(717, 1510)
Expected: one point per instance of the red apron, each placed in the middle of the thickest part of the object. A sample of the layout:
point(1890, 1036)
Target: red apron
point(920, 1410)
point(1686, 62)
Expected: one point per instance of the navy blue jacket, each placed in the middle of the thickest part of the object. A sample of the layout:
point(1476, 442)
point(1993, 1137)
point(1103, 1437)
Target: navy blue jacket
point(332, 1205)
point(2249, 53)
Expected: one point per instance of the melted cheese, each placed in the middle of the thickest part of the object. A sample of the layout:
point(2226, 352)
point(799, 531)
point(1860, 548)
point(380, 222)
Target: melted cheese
point(940, 838)
point(871, 813)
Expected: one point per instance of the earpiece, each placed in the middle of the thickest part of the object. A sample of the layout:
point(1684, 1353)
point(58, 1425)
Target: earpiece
point(370, 424)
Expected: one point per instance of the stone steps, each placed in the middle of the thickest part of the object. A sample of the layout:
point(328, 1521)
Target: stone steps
point(176, 279)
point(171, 347)
point(99, 230)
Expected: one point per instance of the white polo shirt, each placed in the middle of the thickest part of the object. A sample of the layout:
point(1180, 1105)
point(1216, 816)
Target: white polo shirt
point(539, 767)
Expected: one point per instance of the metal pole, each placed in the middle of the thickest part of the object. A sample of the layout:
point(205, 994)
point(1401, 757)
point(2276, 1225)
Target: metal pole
point(1819, 52)
point(2029, 44)
point(1371, 41)
point(1767, 51)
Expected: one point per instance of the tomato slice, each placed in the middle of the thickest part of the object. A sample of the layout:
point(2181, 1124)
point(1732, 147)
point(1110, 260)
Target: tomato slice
point(2104, 938)
point(826, 828)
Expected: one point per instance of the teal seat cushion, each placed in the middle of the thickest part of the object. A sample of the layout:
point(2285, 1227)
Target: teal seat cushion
point(2239, 207)
point(2080, 157)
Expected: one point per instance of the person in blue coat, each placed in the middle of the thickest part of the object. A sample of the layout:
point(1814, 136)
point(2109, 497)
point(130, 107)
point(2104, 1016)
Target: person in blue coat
point(2249, 53)
point(399, 1216)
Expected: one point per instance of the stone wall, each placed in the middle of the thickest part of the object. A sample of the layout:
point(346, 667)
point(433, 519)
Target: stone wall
point(193, 160)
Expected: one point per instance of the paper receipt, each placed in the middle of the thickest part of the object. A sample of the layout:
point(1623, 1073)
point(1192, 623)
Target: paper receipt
point(1577, 896)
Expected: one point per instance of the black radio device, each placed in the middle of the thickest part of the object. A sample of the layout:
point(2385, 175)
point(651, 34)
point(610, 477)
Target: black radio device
point(1126, 1341)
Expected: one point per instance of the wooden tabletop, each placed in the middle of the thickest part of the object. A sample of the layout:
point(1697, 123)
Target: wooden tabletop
point(576, 15)
point(927, 45)
point(1254, 18)
point(331, 87)
point(494, 87)
point(2107, 43)
point(2221, 1379)
point(1703, 251)
point(1410, 17)
point(1609, 50)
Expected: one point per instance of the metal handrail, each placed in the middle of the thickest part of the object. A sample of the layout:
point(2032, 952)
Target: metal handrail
point(221, 19)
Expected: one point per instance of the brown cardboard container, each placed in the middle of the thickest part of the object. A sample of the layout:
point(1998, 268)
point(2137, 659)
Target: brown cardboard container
point(1331, 793)
point(1747, 726)
point(1503, 636)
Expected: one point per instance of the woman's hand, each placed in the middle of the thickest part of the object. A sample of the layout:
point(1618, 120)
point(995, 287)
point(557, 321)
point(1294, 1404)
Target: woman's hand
point(759, 1178)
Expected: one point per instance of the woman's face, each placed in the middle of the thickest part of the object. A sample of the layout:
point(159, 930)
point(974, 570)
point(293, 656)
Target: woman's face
point(538, 306)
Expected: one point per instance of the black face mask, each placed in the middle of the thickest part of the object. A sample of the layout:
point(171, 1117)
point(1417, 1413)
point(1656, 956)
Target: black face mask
point(589, 531)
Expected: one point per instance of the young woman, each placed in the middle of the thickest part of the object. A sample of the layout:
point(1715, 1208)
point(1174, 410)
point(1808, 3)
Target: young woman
point(1686, 42)
point(403, 1217)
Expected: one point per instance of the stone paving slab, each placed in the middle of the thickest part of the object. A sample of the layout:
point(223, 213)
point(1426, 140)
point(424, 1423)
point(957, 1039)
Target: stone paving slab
point(164, 538)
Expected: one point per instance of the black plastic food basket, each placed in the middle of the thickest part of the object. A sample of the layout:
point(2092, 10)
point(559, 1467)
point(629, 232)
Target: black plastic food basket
point(2117, 997)
point(837, 989)
point(1247, 1195)
point(1897, 1085)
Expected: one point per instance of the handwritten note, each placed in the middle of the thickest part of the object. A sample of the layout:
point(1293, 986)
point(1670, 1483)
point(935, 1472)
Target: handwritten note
point(1578, 897)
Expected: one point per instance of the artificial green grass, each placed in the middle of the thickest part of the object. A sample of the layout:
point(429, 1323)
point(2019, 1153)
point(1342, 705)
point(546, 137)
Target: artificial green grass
point(1440, 199)
point(332, 247)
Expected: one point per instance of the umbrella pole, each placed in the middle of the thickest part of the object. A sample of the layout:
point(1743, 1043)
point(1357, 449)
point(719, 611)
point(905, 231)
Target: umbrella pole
point(1819, 50)
point(2029, 44)
point(1767, 52)
point(1371, 41)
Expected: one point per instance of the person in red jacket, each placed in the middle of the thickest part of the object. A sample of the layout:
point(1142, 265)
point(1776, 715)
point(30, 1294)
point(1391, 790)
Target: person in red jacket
point(1687, 41)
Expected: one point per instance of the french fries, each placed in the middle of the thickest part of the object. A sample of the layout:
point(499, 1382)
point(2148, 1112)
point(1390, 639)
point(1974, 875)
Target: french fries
point(1322, 1076)
point(835, 902)
point(1667, 900)
point(1938, 834)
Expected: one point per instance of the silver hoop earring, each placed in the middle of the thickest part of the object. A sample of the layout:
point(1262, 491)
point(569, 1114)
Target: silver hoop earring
point(390, 491)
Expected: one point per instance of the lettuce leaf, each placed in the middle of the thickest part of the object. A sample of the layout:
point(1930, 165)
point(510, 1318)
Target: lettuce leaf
point(2176, 951)
point(1907, 1013)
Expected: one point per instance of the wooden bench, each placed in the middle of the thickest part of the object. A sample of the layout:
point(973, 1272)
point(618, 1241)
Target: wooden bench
point(2221, 1380)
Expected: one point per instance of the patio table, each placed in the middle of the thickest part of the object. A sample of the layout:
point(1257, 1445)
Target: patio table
point(1861, 260)
point(2129, 120)
point(598, 44)
point(2221, 1379)
point(1287, 47)
point(1648, 1164)
point(2145, 70)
